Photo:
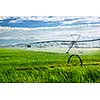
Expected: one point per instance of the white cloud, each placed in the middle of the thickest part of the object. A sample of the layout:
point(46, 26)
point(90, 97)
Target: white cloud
point(47, 18)
point(40, 18)
point(15, 21)
point(70, 20)
point(87, 31)
point(82, 19)
point(49, 33)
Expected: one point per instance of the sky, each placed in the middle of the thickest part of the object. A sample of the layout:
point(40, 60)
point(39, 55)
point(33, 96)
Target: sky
point(26, 29)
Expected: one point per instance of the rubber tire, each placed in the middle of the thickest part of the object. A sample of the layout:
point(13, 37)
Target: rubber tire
point(77, 57)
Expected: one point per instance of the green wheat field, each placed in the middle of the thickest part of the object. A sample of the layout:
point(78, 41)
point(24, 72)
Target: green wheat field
point(27, 66)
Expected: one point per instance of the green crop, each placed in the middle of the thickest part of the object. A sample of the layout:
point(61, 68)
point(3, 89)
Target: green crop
point(24, 66)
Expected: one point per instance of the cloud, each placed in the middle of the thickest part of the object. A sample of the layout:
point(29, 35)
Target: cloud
point(18, 19)
point(46, 18)
point(41, 22)
point(43, 18)
point(15, 21)
point(48, 33)
point(60, 32)
point(82, 20)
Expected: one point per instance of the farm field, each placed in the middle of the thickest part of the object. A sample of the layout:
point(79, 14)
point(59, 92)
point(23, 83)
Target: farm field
point(27, 66)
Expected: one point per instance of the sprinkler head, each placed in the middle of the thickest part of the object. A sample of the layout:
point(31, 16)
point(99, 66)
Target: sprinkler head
point(29, 46)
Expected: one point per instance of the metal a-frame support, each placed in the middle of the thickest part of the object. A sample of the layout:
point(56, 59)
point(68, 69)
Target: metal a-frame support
point(74, 41)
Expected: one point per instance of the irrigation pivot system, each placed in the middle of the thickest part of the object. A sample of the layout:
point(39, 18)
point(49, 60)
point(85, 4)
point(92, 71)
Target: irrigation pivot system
point(74, 43)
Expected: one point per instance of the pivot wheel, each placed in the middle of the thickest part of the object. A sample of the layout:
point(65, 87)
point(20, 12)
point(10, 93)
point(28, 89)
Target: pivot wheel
point(75, 60)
